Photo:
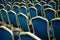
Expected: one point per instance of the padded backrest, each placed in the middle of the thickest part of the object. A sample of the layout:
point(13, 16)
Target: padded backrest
point(56, 27)
point(58, 13)
point(32, 11)
point(6, 34)
point(30, 4)
point(39, 8)
point(36, 2)
point(49, 13)
point(53, 4)
point(22, 4)
point(16, 8)
point(8, 7)
point(41, 27)
point(23, 21)
point(23, 9)
point(12, 17)
point(4, 15)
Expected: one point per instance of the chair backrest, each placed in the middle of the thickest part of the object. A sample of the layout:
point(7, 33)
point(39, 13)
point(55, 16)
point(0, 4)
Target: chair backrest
point(23, 21)
point(47, 6)
point(8, 7)
point(58, 13)
point(49, 13)
point(16, 9)
point(23, 9)
point(55, 23)
point(6, 34)
point(42, 3)
point(53, 4)
point(41, 27)
point(2, 6)
point(39, 8)
point(32, 11)
point(28, 36)
point(36, 2)
point(4, 15)
point(13, 18)
point(16, 3)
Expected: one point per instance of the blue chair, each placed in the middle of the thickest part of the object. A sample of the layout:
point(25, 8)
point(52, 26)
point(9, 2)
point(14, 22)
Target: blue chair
point(4, 15)
point(58, 13)
point(8, 7)
point(6, 34)
point(39, 8)
point(53, 4)
point(42, 3)
point(23, 9)
point(28, 2)
point(41, 27)
point(16, 3)
point(55, 23)
point(23, 21)
point(49, 13)
point(13, 18)
point(28, 36)
point(16, 9)
point(32, 11)
point(47, 6)
point(2, 6)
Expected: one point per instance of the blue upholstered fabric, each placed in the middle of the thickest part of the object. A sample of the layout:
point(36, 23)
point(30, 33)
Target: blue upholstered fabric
point(26, 37)
point(23, 22)
point(5, 35)
point(22, 4)
point(1, 2)
point(23, 10)
point(8, 7)
point(49, 14)
point(42, 3)
point(58, 13)
point(53, 4)
point(12, 17)
point(40, 28)
point(4, 15)
point(32, 11)
point(16, 9)
point(56, 27)
point(39, 9)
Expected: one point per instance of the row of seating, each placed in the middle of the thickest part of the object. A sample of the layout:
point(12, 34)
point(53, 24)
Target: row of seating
point(36, 22)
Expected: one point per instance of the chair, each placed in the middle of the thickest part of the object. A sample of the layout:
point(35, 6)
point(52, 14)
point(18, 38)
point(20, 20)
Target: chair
point(53, 4)
point(23, 9)
point(8, 7)
point(13, 18)
point(49, 13)
point(6, 34)
point(41, 27)
point(47, 6)
point(55, 24)
point(23, 21)
point(4, 16)
point(58, 13)
point(28, 36)
point(16, 3)
point(2, 6)
point(32, 11)
point(16, 9)
point(42, 3)
point(39, 8)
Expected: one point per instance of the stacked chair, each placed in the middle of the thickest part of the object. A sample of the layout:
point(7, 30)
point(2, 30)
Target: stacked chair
point(29, 20)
